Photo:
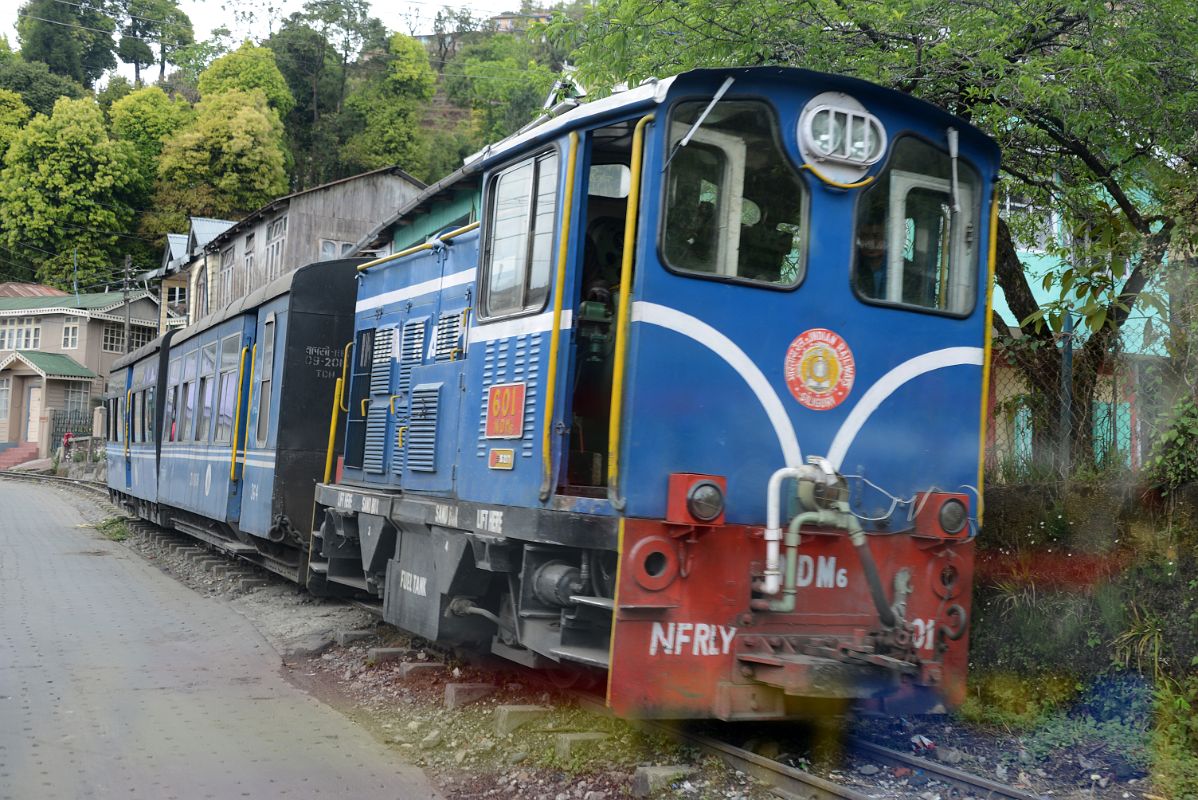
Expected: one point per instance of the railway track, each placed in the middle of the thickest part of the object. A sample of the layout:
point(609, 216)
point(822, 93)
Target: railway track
point(795, 784)
point(93, 487)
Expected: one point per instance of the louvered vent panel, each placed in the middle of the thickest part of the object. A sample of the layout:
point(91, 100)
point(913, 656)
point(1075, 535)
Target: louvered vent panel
point(380, 364)
point(421, 438)
point(376, 440)
point(449, 337)
point(401, 443)
point(411, 353)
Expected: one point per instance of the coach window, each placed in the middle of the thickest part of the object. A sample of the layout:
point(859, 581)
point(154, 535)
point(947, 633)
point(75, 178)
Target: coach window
point(227, 390)
point(917, 232)
point(268, 368)
point(187, 397)
point(521, 211)
point(206, 390)
point(735, 205)
point(139, 416)
point(172, 396)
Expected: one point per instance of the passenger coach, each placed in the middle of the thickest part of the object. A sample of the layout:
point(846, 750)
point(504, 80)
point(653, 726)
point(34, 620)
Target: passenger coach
point(216, 429)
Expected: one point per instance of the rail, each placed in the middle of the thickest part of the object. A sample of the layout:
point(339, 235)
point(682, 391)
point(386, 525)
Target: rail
point(37, 477)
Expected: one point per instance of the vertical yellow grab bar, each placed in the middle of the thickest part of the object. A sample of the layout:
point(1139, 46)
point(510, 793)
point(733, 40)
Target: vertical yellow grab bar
point(328, 456)
point(128, 418)
point(249, 407)
point(344, 382)
point(986, 352)
point(556, 335)
point(617, 381)
point(237, 415)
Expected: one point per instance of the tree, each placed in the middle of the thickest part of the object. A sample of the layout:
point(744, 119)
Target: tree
point(145, 119)
point(344, 24)
point(1087, 124)
point(390, 109)
point(229, 161)
point(247, 68)
point(73, 39)
point(13, 115)
point(39, 88)
point(143, 22)
point(502, 81)
point(118, 86)
point(175, 33)
point(64, 189)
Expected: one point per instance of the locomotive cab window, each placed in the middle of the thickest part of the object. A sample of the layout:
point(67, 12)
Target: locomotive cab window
point(735, 206)
point(521, 211)
point(914, 246)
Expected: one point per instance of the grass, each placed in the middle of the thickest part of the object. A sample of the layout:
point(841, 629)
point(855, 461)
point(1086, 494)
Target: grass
point(114, 529)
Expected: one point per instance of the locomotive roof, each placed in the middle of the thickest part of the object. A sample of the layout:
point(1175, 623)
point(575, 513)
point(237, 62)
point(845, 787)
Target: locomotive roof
point(654, 92)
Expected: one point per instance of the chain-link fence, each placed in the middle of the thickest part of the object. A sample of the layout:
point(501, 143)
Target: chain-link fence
point(1072, 405)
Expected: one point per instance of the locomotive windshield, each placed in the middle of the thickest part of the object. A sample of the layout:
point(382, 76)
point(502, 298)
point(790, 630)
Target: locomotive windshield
point(735, 206)
point(912, 247)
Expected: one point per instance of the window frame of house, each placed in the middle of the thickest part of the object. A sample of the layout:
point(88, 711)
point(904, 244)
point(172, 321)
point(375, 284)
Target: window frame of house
point(76, 397)
point(341, 248)
point(5, 397)
point(276, 241)
point(247, 260)
point(141, 336)
point(113, 340)
point(70, 333)
point(225, 291)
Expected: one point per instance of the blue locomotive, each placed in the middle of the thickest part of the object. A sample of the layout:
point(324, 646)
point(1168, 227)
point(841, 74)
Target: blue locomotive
point(695, 405)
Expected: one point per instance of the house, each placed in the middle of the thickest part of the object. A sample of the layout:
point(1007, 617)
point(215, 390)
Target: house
point(316, 224)
point(55, 351)
point(184, 259)
point(509, 22)
point(449, 203)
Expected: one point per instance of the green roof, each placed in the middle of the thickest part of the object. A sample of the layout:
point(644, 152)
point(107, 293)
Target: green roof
point(87, 302)
point(52, 365)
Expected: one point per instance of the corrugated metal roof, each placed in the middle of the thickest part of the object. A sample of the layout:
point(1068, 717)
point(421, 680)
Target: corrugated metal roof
point(176, 244)
point(50, 365)
point(16, 289)
point(205, 229)
point(85, 302)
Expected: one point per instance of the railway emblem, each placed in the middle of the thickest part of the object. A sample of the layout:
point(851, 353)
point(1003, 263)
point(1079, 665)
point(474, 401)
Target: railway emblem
point(819, 369)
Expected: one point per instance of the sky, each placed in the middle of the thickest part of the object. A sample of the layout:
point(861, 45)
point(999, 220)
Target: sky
point(406, 16)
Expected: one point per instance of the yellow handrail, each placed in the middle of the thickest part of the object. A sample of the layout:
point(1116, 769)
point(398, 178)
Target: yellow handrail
point(989, 336)
point(249, 406)
point(328, 456)
point(399, 436)
point(365, 401)
point(418, 248)
point(128, 418)
point(621, 352)
point(392, 403)
point(838, 184)
point(344, 382)
point(237, 416)
point(555, 335)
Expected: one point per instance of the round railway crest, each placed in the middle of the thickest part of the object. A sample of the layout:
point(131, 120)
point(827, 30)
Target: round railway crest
point(819, 369)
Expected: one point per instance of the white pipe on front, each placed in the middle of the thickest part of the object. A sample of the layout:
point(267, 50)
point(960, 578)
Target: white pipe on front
point(772, 582)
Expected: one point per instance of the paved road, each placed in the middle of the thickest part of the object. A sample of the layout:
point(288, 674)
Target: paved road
point(117, 681)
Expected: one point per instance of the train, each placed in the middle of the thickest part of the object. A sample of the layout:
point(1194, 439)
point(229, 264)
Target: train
point(694, 408)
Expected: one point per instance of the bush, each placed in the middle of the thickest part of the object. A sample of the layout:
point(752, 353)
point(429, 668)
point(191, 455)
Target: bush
point(1175, 739)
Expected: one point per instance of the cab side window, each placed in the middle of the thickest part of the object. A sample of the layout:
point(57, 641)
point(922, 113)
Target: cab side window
point(521, 212)
point(735, 205)
point(915, 246)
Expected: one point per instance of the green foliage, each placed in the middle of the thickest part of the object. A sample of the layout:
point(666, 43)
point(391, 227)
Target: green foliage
point(1175, 739)
point(1015, 699)
point(39, 88)
point(13, 114)
point(246, 69)
point(147, 117)
point(118, 86)
point(1174, 458)
point(390, 108)
point(502, 82)
point(73, 39)
point(114, 529)
point(229, 161)
point(65, 186)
